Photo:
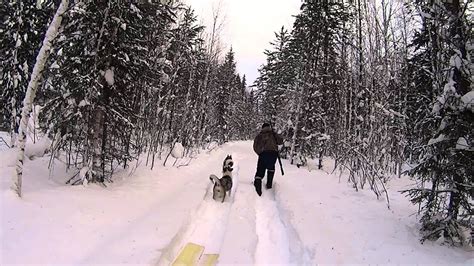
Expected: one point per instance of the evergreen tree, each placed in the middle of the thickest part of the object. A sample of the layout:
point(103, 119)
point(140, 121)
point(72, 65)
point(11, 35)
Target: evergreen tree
point(22, 27)
point(227, 85)
point(102, 69)
point(296, 76)
point(276, 78)
point(445, 172)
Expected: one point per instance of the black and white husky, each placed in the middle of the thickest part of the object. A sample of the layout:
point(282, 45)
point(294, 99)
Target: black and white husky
point(224, 184)
point(228, 164)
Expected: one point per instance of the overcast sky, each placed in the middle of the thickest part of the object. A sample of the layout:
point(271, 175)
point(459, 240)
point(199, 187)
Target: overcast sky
point(249, 27)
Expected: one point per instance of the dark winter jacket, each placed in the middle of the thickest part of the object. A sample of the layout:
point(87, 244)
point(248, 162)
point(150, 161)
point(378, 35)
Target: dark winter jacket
point(267, 140)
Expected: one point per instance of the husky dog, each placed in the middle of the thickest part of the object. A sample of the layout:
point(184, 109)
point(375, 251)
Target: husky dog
point(228, 164)
point(226, 179)
point(224, 184)
point(218, 192)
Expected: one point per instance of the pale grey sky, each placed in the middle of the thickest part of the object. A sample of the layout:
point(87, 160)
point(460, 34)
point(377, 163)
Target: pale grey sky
point(249, 27)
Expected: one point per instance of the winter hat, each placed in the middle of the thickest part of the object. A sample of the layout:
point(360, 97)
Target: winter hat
point(265, 125)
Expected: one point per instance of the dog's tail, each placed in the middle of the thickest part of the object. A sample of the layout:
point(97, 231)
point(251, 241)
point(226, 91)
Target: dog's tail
point(214, 178)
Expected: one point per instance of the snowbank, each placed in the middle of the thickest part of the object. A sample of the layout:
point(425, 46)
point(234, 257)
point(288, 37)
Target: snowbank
point(37, 149)
point(313, 218)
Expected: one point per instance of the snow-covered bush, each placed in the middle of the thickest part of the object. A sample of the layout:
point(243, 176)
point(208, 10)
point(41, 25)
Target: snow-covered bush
point(178, 150)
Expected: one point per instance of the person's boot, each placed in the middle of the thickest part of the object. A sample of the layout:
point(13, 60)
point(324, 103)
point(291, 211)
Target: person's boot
point(258, 186)
point(270, 175)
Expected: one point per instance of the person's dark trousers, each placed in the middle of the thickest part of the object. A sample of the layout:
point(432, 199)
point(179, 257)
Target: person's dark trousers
point(270, 174)
point(266, 161)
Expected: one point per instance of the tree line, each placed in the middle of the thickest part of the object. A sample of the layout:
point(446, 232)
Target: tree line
point(123, 78)
point(379, 85)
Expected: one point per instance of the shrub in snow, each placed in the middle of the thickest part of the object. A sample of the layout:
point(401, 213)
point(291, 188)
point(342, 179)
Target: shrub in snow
point(312, 164)
point(38, 149)
point(178, 150)
point(85, 171)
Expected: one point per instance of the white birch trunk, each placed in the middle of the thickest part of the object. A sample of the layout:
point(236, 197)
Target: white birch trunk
point(31, 92)
point(13, 123)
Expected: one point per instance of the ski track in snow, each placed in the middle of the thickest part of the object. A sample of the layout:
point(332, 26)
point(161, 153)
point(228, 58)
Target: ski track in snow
point(273, 244)
point(206, 225)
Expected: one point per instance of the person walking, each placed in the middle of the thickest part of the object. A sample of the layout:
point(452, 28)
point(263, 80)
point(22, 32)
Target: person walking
point(265, 146)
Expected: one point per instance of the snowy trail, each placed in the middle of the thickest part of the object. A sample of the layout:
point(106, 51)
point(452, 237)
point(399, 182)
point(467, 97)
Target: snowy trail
point(258, 226)
point(240, 240)
point(245, 223)
point(273, 245)
point(206, 225)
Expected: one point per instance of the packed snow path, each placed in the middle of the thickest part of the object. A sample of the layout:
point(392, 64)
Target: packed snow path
point(257, 227)
point(272, 246)
point(206, 226)
point(209, 223)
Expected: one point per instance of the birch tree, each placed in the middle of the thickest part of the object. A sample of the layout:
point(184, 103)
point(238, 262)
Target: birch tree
point(33, 84)
point(109, 64)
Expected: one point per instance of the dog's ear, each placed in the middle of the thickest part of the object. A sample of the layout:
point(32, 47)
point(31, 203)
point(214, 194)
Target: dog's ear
point(213, 178)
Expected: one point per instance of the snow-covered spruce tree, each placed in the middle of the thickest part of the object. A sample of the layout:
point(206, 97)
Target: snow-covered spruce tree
point(320, 76)
point(190, 77)
point(420, 71)
point(245, 119)
point(278, 96)
point(311, 60)
point(102, 69)
point(36, 77)
point(344, 58)
point(181, 104)
point(226, 87)
point(186, 105)
point(445, 173)
point(276, 80)
point(205, 70)
point(22, 28)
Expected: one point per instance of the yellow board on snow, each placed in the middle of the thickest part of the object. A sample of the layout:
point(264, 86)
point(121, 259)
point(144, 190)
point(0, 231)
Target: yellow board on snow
point(189, 255)
point(208, 259)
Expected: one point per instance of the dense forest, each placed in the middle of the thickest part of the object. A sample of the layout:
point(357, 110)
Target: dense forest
point(384, 87)
point(378, 85)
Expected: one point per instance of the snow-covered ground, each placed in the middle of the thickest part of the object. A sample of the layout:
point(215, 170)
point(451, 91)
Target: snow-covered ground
point(146, 217)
